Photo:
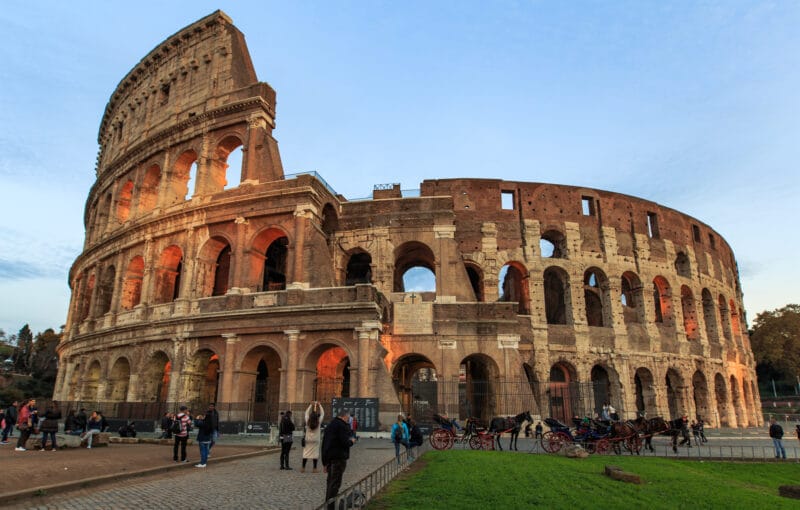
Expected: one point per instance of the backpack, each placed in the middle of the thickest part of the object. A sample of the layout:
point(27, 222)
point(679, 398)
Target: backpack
point(398, 434)
point(176, 426)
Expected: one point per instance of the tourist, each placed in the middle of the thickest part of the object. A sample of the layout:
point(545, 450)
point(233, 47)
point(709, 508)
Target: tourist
point(684, 425)
point(400, 437)
point(212, 408)
point(776, 433)
point(797, 431)
point(71, 426)
point(11, 420)
point(701, 427)
point(103, 422)
point(538, 431)
point(336, 445)
point(181, 429)
point(93, 427)
point(314, 416)
point(205, 434)
point(286, 434)
point(354, 425)
point(50, 426)
point(696, 433)
point(24, 424)
point(81, 420)
point(166, 426)
point(414, 437)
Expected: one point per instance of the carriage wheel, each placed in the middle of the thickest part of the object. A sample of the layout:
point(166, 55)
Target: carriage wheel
point(602, 446)
point(441, 439)
point(552, 442)
point(475, 442)
point(633, 444)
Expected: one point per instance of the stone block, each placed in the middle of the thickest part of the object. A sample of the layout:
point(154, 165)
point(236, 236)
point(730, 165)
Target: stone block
point(575, 451)
point(789, 491)
point(617, 473)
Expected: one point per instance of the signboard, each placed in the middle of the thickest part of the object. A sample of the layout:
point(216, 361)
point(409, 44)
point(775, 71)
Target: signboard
point(365, 411)
point(231, 427)
point(257, 427)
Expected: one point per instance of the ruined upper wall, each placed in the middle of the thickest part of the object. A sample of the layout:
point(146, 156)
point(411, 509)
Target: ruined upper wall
point(198, 69)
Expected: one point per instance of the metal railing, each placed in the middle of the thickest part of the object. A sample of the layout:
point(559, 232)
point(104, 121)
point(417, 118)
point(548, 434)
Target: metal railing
point(358, 494)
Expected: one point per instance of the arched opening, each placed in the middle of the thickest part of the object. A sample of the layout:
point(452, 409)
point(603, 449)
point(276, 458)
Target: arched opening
point(553, 244)
point(689, 314)
point(725, 318)
point(563, 404)
point(226, 165)
point(601, 388)
point(735, 324)
point(168, 275)
point(414, 268)
point(475, 276)
point(222, 273)
point(749, 404)
point(330, 220)
point(710, 317)
point(359, 268)
point(721, 394)
point(662, 298)
point(736, 400)
point(214, 266)
point(275, 265)
point(124, 201)
point(645, 392)
point(86, 298)
point(700, 395)
point(132, 283)
point(682, 265)
point(675, 389)
point(477, 376)
point(191, 182)
point(417, 387)
point(556, 297)
point(596, 298)
point(118, 380)
point(331, 366)
point(201, 378)
point(91, 383)
point(514, 286)
point(182, 180)
point(632, 298)
point(148, 193)
point(259, 382)
point(106, 290)
point(155, 378)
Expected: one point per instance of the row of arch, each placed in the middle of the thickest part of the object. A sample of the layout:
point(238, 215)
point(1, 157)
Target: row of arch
point(149, 188)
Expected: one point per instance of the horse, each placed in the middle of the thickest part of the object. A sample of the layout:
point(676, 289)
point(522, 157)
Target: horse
point(622, 431)
point(512, 424)
point(659, 426)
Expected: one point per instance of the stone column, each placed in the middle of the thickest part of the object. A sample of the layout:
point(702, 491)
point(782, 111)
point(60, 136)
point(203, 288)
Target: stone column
point(176, 373)
point(302, 214)
point(133, 388)
point(367, 334)
point(226, 393)
point(148, 274)
point(292, 336)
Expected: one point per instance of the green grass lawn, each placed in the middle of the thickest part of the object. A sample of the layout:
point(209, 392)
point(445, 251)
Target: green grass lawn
point(464, 479)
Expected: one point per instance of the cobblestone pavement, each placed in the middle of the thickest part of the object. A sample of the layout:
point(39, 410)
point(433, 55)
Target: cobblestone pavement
point(255, 483)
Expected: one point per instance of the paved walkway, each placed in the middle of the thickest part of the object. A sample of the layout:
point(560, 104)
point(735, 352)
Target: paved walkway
point(255, 483)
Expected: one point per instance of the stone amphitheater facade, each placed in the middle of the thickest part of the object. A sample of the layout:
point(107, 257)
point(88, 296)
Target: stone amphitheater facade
point(202, 281)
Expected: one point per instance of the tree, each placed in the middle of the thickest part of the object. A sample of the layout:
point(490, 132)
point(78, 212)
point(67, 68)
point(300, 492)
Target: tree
point(775, 339)
point(23, 354)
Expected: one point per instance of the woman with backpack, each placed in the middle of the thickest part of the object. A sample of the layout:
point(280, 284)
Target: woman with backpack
point(286, 433)
point(314, 416)
point(400, 437)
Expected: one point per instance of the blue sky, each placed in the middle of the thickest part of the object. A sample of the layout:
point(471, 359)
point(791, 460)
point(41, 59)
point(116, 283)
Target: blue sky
point(694, 105)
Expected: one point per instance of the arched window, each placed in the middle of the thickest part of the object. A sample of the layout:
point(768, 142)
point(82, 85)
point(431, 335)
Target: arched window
point(226, 166)
point(596, 297)
point(553, 244)
point(168, 275)
point(475, 276)
point(148, 194)
point(514, 286)
point(106, 290)
point(275, 265)
point(223, 269)
point(662, 298)
point(689, 313)
point(710, 317)
point(414, 268)
point(330, 220)
point(86, 298)
point(124, 202)
point(359, 269)
point(182, 179)
point(556, 297)
point(725, 318)
point(631, 298)
point(132, 284)
point(682, 265)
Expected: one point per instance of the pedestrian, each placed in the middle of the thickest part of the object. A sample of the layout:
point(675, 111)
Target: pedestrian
point(93, 427)
point(336, 445)
point(82, 420)
point(181, 432)
point(604, 413)
point(797, 431)
point(24, 424)
point(538, 430)
point(311, 439)
point(205, 434)
point(214, 416)
point(50, 426)
point(11, 420)
point(701, 426)
point(103, 422)
point(684, 424)
point(286, 434)
point(71, 426)
point(400, 437)
point(696, 433)
point(528, 430)
point(776, 433)
point(414, 436)
point(353, 425)
point(166, 426)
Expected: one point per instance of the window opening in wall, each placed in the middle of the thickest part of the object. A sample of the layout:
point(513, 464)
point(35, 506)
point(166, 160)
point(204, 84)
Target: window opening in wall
point(696, 234)
point(191, 183)
point(652, 225)
point(552, 245)
point(682, 265)
point(164, 93)
point(275, 265)
point(587, 206)
point(476, 280)
point(234, 171)
point(507, 199)
point(119, 130)
point(513, 287)
point(712, 241)
point(359, 269)
point(546, 248)
point(419, 279)
point(222, 271)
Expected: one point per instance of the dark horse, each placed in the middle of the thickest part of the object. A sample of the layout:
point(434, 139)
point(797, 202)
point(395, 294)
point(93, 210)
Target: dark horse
point(658, 426)
point(512, 424)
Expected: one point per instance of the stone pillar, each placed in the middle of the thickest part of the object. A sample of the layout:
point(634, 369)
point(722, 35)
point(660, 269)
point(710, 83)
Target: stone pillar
point(148, 274)
point(133, 388)
point(176, 373)
point(445, 283)
point(292, 336)
point(226, 393)
point(239, 261)
point(302, 214)
point(367, 334)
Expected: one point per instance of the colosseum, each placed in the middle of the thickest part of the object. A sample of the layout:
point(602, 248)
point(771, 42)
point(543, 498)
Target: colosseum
point(208, 274)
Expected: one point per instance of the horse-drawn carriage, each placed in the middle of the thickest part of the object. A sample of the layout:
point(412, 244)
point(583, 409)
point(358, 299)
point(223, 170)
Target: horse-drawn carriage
point(593, 436)
point(449, 433)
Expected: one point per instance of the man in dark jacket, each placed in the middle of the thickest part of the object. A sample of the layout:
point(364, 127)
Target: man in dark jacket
point(335, 451)
point(213, 415)
point(776, 433)
point(11, 420)
point(286, 434)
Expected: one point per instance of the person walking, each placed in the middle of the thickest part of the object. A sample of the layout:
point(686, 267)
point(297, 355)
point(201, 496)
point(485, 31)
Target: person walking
point(214, 416)
point(314, 416)
point(11, 420)
point(205, 434)
point(24, 424)
point(336, 443)
point(182, 434)
point(400, 437)
point(50, 426)
point(414, 437)
point(286, 434)
point(93, 427)
point(776, 433)
point(684, 424)
point(701, 427)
